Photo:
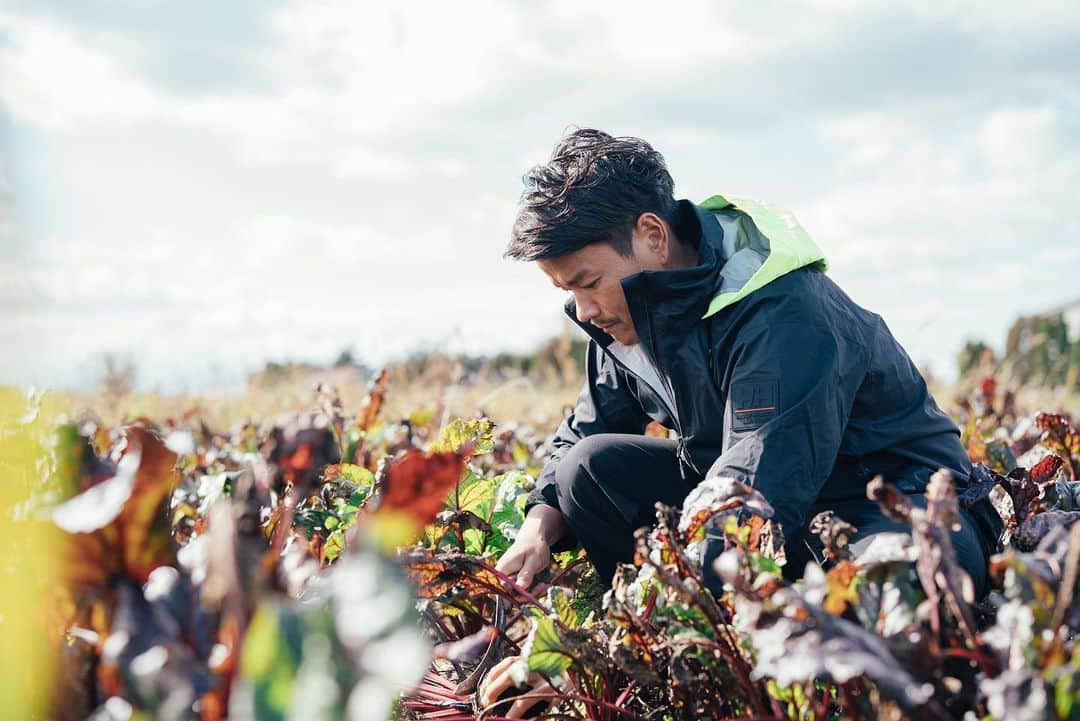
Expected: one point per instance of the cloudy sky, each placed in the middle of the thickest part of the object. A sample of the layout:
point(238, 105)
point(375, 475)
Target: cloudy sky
point(205, 186)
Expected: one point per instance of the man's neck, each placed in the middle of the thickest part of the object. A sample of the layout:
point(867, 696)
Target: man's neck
point(682, 255)
point(685, 231)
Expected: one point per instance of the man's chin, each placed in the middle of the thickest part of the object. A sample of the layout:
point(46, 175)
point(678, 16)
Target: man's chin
point(624, 338)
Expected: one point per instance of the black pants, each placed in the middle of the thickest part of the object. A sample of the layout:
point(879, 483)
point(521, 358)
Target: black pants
point(608, 484)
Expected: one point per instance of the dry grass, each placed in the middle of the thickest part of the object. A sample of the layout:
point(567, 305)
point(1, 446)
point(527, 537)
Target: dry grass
point(540, 399)
point(537, 402)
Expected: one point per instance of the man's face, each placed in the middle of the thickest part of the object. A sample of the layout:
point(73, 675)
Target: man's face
point(593, 275)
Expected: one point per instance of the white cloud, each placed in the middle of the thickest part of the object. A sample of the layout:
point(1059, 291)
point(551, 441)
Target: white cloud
point(1020, 139)
point(952, 224)
point(52, 78)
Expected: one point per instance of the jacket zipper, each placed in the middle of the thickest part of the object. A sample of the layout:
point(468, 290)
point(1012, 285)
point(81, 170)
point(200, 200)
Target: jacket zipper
point(682, 453)
point(657, 391)
point(659, 372)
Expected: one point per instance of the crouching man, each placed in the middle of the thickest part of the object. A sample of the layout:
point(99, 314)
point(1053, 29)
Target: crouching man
point(716, 319)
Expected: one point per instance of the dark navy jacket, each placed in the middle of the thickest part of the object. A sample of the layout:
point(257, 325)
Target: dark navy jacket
point(791, 387)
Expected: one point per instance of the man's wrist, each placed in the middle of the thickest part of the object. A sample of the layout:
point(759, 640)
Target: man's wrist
point(546, 522)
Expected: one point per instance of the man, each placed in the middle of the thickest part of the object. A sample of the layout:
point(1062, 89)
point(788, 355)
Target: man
point(717, 320)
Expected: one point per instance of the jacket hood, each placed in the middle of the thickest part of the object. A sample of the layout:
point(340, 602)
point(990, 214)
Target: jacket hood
point(754, 253)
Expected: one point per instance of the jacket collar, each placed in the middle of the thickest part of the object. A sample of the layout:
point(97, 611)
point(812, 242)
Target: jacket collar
point(670, 302)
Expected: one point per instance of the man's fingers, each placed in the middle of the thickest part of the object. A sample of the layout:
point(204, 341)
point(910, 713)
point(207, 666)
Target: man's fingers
point(539, 692)
point(519, 707)
point(510, 562)
point(497, 680)
point(529, 568)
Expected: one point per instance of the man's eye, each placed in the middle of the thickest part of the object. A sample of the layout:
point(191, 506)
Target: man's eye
point(592, 285)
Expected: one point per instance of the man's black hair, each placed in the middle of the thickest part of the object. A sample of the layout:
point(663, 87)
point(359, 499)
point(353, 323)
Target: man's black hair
point(592, 190)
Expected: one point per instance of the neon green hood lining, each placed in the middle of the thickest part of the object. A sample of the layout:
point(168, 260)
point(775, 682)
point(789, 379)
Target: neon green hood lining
point(772, 245)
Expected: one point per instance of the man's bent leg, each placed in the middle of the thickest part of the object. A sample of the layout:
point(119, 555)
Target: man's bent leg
point(608, 485)
point(868, 518)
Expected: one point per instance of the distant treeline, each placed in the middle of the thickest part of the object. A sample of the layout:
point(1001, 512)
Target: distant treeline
point(559, 359)
point(1042, 350)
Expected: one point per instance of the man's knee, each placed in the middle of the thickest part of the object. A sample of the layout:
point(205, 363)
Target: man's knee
point(576, 475)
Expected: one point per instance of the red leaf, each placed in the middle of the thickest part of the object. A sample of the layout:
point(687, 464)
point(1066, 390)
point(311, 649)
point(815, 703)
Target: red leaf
point(1062, 437)
point(1045, 469)
point(417, 484)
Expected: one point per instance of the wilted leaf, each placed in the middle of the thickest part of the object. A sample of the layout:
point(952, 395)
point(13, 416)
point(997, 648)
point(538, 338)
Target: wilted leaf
point(841, 581)
point(835, 533)
point(717, 495)
point(1025, 493)
point(791, 650)
point(373, 403)
point(301, 449)
point(983, 480)
point(1033, 529)
point(893, 503)
point(449, 574)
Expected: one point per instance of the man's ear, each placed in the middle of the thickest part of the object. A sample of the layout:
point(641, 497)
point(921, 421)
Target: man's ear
point(655, 237)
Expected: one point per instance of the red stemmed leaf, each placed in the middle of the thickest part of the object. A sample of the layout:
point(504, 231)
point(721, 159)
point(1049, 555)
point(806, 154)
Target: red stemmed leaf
point(416, 484)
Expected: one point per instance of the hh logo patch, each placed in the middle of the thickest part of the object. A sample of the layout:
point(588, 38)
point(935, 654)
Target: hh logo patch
point(754, 402)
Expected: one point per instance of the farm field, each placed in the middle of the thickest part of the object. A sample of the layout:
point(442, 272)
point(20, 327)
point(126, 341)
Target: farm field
point(329, 554)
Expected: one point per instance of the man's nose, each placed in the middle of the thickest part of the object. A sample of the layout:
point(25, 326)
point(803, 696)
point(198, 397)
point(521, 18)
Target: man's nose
point(586, 310)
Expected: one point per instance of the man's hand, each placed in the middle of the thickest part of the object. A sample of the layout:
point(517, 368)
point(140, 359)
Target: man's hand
point(531, 551)
point(501, 677)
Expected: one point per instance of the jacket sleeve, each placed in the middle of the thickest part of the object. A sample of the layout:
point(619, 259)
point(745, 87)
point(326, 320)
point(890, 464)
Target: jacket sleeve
point(791, 386)
point(605, 405)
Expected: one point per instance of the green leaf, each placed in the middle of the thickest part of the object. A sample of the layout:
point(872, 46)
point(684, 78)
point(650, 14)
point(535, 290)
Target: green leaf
point(558, 600)
point(475, 493)
point(513, 489)
point(474, 541)
point(509, 510)
point(362, 478)
point(544, 650)
point(357, 474)
point(335, 544)
point(764, 564)
point(460, 435)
